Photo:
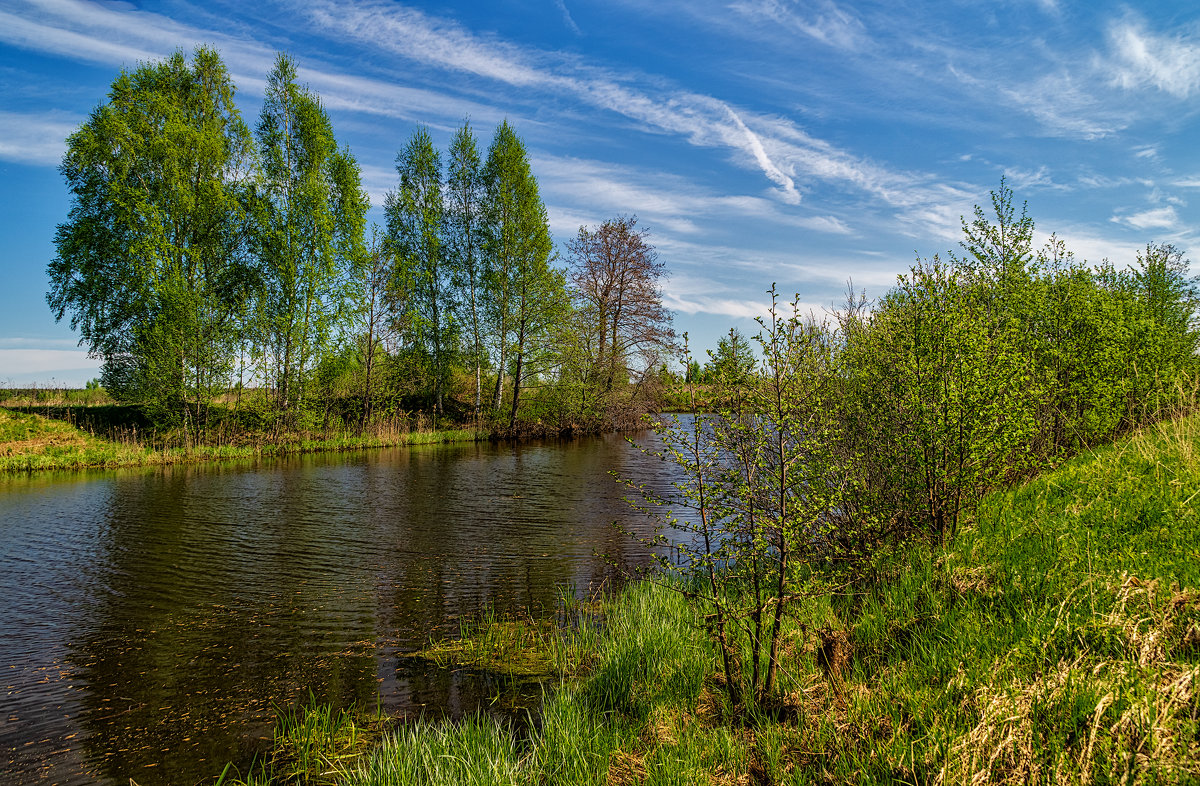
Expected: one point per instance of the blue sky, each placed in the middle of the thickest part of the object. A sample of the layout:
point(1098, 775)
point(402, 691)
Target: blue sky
point(760, 141)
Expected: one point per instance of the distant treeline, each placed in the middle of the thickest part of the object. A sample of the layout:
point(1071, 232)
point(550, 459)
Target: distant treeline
point(220, 272)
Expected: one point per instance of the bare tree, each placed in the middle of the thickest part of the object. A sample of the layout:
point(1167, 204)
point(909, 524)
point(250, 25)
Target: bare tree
point(615, 274)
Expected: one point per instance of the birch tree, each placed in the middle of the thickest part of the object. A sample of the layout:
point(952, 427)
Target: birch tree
point(524, 292)
point(416, 222)
point(310, 212)
point(464, 238)
point(151, 262)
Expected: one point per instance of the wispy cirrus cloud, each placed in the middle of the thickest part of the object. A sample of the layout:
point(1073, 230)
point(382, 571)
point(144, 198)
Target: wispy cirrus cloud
point(1066, 104)
point(1076, 97)
point(77, 40)
point(775, 146)
point(754, 146)
point(715, 306)
point(784, 153)
point(35, 138)
point(1094, 244)
point(1021, 179)
point(120, 36)
point(823, 21)
point(592, 191)
point(567, 19)
point(1141, 59)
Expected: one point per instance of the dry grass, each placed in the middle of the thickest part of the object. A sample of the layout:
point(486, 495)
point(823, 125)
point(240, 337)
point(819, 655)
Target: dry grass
point(41, 445)
point(1133, 717)
point(625, 769)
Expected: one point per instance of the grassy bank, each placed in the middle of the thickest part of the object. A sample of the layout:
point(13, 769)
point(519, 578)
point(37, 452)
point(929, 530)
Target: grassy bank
point(30, 442)
point(1056, 639)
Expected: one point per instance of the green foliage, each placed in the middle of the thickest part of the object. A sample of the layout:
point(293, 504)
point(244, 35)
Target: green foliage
point(763, 506)
point(526, 296)
point(416, 218)
point(201, 260)
point(150, 263)
point(979, 371)
point(309, 213)
point(1055, 640)
point(464, 240)
point(732, 363)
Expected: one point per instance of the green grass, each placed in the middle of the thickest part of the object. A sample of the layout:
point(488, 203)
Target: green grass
point(312, 745)
point(30, 442)
point(1055, 640)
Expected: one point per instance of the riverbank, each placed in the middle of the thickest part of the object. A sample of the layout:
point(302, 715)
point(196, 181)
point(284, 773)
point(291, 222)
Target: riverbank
point(31, 442)
point(1055, 639)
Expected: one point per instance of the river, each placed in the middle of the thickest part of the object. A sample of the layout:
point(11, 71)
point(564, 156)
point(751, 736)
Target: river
point(152, 621)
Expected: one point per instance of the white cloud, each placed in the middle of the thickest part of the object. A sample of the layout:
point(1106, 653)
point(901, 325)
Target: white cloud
point(592, 191)
point(1142, 59)
point(42, 37)
point(1066, 105)
point(122, 37)
point(1089, 247)
point(755, 147)
point(830, 24)
point(567, 20)
point(423, 38)
point(1156, 218)
point(707, 304)
point(345, 92)
point(1020, 179)
point(35, 138)
point(777, 147)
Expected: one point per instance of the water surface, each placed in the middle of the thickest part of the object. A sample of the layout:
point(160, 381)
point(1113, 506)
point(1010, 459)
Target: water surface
point(152, 621)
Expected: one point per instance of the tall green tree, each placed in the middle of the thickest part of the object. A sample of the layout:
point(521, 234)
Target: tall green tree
point(372, 290)
point(416, 227)
point(525, 293)
point(733, 360)
point(1163, 339)
point(310, 211)
point(464, 240)
point(151, 262)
